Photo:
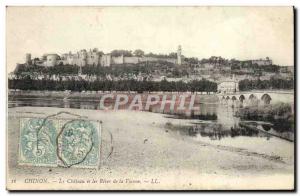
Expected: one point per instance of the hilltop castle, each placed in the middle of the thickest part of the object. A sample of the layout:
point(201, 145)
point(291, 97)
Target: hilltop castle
point(95, 57)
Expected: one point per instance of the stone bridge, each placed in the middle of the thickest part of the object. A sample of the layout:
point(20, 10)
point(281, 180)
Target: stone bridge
point(264, 97)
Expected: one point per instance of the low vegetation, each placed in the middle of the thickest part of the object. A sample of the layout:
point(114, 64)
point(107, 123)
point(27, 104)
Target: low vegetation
point(273, 83)
point(280, 114)
point(108, 85)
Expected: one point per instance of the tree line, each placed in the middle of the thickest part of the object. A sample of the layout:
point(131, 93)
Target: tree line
point(140, 53)
point(273, 83)
point(108, 85)
point(98, 70)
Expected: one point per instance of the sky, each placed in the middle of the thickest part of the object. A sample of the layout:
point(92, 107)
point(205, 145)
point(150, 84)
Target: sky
point(231, 32)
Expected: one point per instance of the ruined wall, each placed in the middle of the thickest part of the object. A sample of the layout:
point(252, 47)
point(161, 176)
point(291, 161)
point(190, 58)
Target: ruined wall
point(93, 58)
point(117, 60)
point(51, 60)
point(105, 60)
point(153, 59)
point(133, 60)
point(262, 62)
point(83, 58)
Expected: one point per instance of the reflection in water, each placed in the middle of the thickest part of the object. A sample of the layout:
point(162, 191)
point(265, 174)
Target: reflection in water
point(215, 131)
point(266, 127)
point(277, 129)
point(226, 124)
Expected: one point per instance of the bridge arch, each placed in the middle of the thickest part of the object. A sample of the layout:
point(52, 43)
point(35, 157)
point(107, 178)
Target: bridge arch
point(233, 98)
point(252, 97)
point(242, 98)
point(227, 98)
point(266, 98)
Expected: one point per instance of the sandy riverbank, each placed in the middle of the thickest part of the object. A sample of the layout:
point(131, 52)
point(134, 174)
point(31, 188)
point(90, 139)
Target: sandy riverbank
point(143, 150)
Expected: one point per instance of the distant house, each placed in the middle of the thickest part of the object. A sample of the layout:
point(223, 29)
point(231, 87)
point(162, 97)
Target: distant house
point(286, 69)
point(260, 62)
point(228, 86)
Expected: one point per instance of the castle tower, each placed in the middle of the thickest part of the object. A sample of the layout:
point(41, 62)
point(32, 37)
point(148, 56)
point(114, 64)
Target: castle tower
point(80, 71)
point(179, 55)
point(83, 57)
point(28, 59)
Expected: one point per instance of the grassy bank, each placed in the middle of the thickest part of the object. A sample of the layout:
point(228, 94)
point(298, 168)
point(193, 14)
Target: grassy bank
point(280, 114)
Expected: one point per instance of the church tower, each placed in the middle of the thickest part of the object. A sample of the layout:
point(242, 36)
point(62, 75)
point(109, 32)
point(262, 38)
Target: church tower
point(28, 59)
point(179, 55)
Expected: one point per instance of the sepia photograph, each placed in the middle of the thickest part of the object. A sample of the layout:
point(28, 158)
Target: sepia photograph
point(150, 98)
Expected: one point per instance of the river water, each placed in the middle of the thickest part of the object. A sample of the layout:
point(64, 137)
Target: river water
point(216, 124)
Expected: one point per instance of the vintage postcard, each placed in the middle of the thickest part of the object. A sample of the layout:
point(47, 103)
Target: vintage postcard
point(150, 98)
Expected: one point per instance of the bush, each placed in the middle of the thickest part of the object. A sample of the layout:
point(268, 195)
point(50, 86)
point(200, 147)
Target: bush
point(272, 113)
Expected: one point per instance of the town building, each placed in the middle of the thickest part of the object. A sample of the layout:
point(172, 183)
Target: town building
point(262, 62)
point(228, 86)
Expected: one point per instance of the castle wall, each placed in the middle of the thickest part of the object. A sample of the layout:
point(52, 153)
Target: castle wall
point(262, 62)
point(51, 60)
point(93, 58)
point(133, 60)
point(117, 60)
point(153, 59)
point(170, 60)
point(149, 59)
point(76, 60)
point(105, 60)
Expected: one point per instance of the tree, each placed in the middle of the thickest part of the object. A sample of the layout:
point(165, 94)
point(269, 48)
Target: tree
point(121, 52)
point(173, 55)
point(235, 67)
point(138, 52)
point(26, 83)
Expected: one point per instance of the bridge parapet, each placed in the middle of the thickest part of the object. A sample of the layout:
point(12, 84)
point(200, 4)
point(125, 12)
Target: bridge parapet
point(265, 96)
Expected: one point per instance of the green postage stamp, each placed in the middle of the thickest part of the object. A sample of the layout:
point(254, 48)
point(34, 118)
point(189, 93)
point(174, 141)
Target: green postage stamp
point(59, 142)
